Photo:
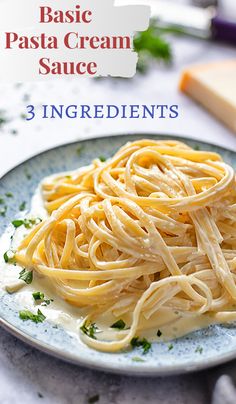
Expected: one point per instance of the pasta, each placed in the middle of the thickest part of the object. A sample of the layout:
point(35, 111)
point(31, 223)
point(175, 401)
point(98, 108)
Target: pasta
point(148, 236)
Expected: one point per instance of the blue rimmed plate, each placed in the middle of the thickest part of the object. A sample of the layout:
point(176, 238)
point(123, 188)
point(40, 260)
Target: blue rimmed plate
point(218, 342)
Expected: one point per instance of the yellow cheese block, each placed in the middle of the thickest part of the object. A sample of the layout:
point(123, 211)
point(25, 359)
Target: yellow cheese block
point(214, 86)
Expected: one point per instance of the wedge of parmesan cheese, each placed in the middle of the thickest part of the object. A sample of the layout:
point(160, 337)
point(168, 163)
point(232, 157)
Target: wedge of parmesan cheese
point(214, 86)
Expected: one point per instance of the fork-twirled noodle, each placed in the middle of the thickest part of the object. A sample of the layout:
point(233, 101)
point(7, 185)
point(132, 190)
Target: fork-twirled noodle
point(149, 233)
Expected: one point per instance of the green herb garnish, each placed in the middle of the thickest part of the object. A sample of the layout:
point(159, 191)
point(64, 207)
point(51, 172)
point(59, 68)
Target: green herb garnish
point(199, 349)
point(170, 347)
point(120, 325)
point(143, 343)
point(9, 195)
point(39, 298)
point(9, 256)
point(47, 302)
point(196, 147)
point(28, 315)
point(27, 174)
point(28, 223)
point(90, 330)
point(22, 206)
point(38, 295)
point(79, 150)
point(93, 399)
point(3, 211)
point(137, 359)
point(26, 276)
point(3, 119)
point(102, 159)
point(17, 223)
point(5, 256)
point(151, 44)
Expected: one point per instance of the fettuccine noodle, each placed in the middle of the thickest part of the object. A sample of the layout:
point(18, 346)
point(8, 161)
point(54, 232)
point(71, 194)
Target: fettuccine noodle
point(143, 235)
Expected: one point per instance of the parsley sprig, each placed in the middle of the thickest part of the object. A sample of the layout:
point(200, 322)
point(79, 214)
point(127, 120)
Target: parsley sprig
point(151, 44)
point(28, 315)
point(120, 325)
point(3, 211)
point(199, 349)
point(9, 257)
point(22, 206)
point(89, 330)
point(28, 223)
point(26, 276)
point(141, 343)
point(39, 298)
point(102, 159)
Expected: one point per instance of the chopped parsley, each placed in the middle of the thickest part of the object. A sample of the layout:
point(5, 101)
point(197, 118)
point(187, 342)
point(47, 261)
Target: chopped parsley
point(1, 201)
point(17, 223)
point(79, 150)
point(3, 211)
point(28, 223)
point(196, 147)
point(3, 119)
point(9, 256)
point(137, 359)
point(9, 195)
point(102, 159)
point(38, 296)
point(46, 302)
point(26, 276)
point(27, 174)
point(143, 343)
point(152, 45)
point(199, 349)
point(93, 399)
point(28, 315)
point(159, 333)
point(120, 325)
point(22, 206)
point(90, 330)
point(170, 347)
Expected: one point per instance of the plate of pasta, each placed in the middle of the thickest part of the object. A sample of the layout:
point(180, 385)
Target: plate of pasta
point(119, 253)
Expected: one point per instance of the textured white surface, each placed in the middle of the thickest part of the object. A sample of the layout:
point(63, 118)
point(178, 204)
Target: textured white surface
point(25, 372)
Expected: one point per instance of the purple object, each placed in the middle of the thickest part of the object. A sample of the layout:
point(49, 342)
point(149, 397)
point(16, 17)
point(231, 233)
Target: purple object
point(223, 30)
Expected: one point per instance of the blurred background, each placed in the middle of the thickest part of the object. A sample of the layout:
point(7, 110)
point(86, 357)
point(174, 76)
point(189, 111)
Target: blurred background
point(157, 84)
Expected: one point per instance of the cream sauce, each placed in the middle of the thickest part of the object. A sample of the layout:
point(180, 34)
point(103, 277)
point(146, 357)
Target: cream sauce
point(69, 317)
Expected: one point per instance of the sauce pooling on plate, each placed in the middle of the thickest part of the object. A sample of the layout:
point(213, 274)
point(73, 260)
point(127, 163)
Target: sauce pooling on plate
point(139, 247)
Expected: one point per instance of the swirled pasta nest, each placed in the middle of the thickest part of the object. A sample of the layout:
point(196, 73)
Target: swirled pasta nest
point(149, 233)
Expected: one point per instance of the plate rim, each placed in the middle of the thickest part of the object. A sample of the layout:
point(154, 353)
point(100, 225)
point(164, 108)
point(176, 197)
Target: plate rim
point(116, 135)
point(123, 369)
